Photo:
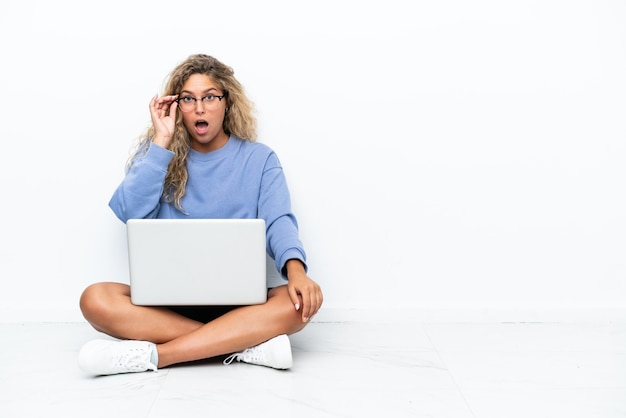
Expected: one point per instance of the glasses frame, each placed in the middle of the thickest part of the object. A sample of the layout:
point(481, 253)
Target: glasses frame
point(195, 101)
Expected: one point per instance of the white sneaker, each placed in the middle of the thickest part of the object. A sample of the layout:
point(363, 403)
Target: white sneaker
point(275, 353)
point(103, 357)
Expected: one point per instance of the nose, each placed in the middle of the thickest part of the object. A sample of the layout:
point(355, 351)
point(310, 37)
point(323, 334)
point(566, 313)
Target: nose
point(199, 106)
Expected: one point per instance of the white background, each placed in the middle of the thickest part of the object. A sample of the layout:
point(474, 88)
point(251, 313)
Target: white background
point(441, 154)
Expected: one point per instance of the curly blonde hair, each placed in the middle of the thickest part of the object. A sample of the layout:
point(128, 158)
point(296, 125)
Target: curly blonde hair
point(239, 119)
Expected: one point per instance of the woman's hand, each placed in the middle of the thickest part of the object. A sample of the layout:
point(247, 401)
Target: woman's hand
point(302, 288)
point(162, 120)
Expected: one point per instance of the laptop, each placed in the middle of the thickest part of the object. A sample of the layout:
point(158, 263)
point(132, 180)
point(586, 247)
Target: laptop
point(189, 262)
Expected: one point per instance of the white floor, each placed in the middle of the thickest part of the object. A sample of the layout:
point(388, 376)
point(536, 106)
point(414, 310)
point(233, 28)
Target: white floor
point(345, 369)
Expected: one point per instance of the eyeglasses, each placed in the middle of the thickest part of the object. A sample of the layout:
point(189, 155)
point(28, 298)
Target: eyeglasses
point(188, 103)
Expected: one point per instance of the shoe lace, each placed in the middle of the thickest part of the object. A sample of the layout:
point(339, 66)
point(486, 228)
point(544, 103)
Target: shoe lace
point(135, 359)
point(249, 355)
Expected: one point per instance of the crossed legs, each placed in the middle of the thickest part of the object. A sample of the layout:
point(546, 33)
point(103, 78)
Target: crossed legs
point(107, 307)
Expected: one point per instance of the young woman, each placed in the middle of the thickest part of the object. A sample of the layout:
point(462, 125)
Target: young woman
point(198, 159)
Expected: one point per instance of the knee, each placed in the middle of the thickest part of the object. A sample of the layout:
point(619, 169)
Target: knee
point(93, 302)
point(293, 320)
point(290, 319)
point(298, 325)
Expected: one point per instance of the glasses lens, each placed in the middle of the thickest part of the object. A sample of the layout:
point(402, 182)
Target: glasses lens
point(186, 104)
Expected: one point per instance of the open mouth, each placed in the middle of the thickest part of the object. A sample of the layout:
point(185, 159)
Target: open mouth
point(202, 126)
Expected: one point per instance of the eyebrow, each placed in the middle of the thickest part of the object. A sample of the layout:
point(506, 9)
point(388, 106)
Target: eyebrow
point(205, 91)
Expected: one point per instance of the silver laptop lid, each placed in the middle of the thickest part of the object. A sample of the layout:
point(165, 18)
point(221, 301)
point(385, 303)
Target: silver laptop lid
point(197, 261)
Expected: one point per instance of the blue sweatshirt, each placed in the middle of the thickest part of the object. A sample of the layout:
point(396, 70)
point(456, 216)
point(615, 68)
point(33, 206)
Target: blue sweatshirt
point(242, 179)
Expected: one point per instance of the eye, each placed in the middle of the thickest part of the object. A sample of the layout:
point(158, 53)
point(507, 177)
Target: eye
point(209, 97)
point(187, 99)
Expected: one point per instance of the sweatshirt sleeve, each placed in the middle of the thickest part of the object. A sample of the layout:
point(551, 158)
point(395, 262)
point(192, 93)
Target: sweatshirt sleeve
point(139, 194)
point(283, 240)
